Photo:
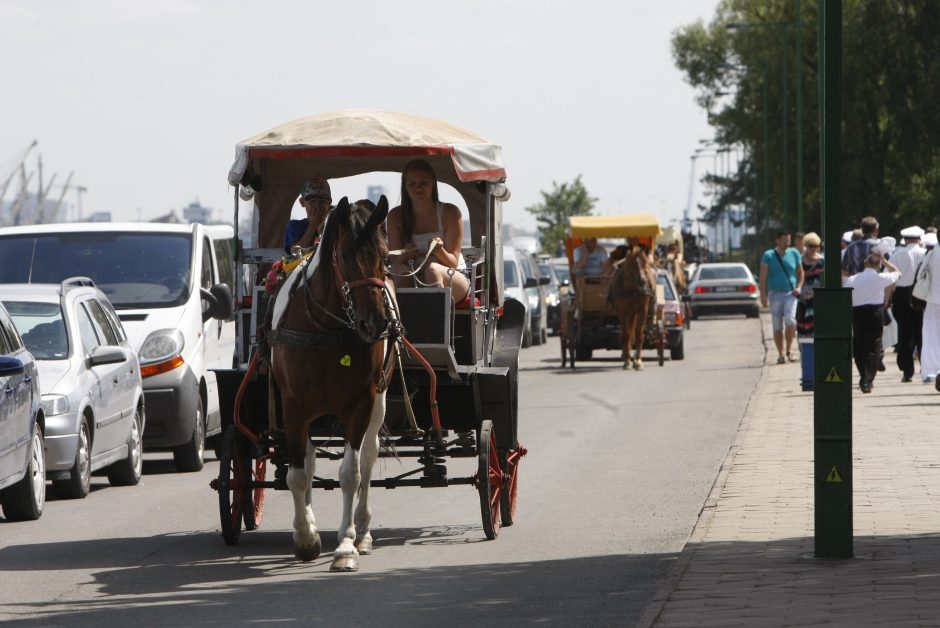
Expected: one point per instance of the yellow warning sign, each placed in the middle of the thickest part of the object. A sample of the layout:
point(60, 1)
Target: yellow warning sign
point(833, 377)
point(833, 476)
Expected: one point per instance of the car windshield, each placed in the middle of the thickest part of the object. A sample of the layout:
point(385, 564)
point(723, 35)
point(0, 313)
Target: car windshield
point(509, 274)
point(41, 327)
point(667, 287)
point(723, 272)
point(135, 270)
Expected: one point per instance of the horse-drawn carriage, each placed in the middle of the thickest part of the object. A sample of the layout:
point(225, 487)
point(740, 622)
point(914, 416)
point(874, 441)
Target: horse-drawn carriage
point(345, 355)
point(611, 311)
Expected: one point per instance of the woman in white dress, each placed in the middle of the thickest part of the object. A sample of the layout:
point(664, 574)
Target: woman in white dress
point(930, 351)
point(422, 223)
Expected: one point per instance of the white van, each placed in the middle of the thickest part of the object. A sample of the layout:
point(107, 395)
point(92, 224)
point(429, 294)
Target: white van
point(171, 285)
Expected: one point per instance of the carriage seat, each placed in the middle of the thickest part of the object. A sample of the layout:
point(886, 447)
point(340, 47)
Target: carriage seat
point(426, 314)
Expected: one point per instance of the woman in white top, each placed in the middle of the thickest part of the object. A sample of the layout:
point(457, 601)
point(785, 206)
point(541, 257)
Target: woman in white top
point(421, 224)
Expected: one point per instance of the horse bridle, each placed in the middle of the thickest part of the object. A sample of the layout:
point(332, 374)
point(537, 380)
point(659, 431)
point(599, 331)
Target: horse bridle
point(346, 288)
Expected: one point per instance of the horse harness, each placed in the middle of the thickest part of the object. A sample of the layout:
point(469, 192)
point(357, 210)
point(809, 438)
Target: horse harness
point(347, 336)
point(644, 290)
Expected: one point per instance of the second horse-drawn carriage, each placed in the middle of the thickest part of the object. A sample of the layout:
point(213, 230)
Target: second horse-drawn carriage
point(344, 355)
point(632, 307)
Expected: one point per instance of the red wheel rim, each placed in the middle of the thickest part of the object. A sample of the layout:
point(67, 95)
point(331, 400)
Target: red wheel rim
point(255, 504)
point(495, 480)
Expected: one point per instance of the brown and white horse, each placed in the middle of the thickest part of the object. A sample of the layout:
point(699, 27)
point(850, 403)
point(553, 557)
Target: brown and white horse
point(328, 360)
point(632, 287)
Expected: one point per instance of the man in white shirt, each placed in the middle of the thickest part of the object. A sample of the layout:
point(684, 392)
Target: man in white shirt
point(910, 320)
point(868, 298)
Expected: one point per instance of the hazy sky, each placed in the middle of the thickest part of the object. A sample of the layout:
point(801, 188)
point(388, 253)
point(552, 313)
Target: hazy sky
point(145, 101)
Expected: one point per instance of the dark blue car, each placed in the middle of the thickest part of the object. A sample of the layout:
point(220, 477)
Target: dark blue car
point(22, 459)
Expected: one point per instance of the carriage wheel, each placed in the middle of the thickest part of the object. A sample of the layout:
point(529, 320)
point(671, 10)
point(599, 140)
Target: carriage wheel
point(507, 495)
point(254, 500)
point(231, 486)
point(489, 479)
point(660, 342)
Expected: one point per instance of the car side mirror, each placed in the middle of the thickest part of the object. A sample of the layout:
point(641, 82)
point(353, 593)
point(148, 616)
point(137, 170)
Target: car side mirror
point(107, 354)
point(10, 366)
point(217, 302)
point(544, 281)
point(530, 282)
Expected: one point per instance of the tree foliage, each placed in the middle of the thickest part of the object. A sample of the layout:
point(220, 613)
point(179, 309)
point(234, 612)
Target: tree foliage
point(564, 201)
point(891, 121)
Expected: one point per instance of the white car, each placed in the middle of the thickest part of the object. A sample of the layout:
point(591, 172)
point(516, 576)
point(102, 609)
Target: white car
point(172, 287)
point(514, 287)
point(92, 397)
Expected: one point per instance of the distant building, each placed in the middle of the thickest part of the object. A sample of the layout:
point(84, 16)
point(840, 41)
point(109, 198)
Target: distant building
point(168, 218)
point(194, 212)
point(99, 217)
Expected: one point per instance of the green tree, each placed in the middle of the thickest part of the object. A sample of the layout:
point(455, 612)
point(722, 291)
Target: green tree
point(564, 201)
point(891, 122)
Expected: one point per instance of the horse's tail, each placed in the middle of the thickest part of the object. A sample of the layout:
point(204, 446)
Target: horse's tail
point(387, 443)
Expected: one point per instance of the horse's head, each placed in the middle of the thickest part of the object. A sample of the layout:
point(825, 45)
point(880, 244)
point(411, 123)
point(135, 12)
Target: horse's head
point(355, 246)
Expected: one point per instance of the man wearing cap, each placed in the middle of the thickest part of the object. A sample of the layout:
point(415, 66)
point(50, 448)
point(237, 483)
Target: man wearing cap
point(315, 198)
point(844, 243)
point(908, 259)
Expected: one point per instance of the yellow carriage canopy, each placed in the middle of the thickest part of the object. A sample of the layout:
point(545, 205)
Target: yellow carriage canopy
point(622, 226)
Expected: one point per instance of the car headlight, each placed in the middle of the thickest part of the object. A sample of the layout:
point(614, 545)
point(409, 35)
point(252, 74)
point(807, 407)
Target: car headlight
point(669, 318)
point(552, 299)
point(160, 345)
point(533, 301)
point(54, 404)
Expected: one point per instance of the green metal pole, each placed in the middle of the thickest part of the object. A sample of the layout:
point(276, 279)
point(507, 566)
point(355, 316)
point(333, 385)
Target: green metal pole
point(832, 380)
point(785, 214)
point(766, 213)
point(798, 25)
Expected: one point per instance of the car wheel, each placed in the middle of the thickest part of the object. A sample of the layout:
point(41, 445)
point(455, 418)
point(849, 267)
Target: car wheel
point(527, 337)
point(536, 335)
point(24, 500)
point(78, 483)
point(190, 456)
point(583, 353)
point(753, 313)
point(678, 352)
point(544, 336)
point(693, 313)
point(127, 472)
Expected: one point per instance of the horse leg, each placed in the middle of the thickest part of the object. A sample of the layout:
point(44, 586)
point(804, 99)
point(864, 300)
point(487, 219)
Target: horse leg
point(368, 456)
point(624, 338)
point(345, 557)
point(638, 329)
point(306, 539)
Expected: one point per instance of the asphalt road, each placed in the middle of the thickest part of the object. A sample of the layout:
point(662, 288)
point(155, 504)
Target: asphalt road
point(618, 468)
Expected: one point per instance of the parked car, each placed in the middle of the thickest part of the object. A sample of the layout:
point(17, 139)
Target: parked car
point(22, 456)
point(723, 287)
point(535, 293)
point(172, 288)
point(92, 397)
point(552, 295)
point(672, 315)
point(514, 285)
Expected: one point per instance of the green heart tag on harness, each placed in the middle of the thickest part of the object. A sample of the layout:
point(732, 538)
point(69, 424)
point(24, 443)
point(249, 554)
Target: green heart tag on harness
point(345, 360)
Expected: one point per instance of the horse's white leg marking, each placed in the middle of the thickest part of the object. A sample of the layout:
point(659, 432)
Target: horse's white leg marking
point(345, 558)
point(368, 456)
point(306, 539)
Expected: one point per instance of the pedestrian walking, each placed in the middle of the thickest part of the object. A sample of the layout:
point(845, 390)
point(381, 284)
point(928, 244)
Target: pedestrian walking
point(930, 345)
point(910, 318)
point(781, 280)
point(853, 259)
point(868, 299)
point(813, 264)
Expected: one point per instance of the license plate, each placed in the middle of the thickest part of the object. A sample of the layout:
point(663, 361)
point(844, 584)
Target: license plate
point(726, 288)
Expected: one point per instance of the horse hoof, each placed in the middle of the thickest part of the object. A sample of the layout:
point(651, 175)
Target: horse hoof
point(345, 563)
point(638, 367)
point(307, 554)
point(626, 366)
point(364, 546)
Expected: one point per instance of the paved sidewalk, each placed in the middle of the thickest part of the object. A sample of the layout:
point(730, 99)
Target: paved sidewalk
point(750, 560)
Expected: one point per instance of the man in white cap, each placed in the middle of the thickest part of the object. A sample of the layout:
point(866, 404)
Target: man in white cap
point(868, 298)
point(315, 198)
point(910, 319)
point(845, 242)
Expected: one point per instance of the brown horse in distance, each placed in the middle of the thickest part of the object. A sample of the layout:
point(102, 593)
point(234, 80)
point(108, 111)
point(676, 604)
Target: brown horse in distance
point(632, 287)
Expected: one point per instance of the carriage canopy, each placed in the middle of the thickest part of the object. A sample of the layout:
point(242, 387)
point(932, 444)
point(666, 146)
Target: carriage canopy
point(621, 226)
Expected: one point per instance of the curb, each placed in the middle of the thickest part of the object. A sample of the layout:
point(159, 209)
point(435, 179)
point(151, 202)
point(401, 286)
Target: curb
point(655, 607)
